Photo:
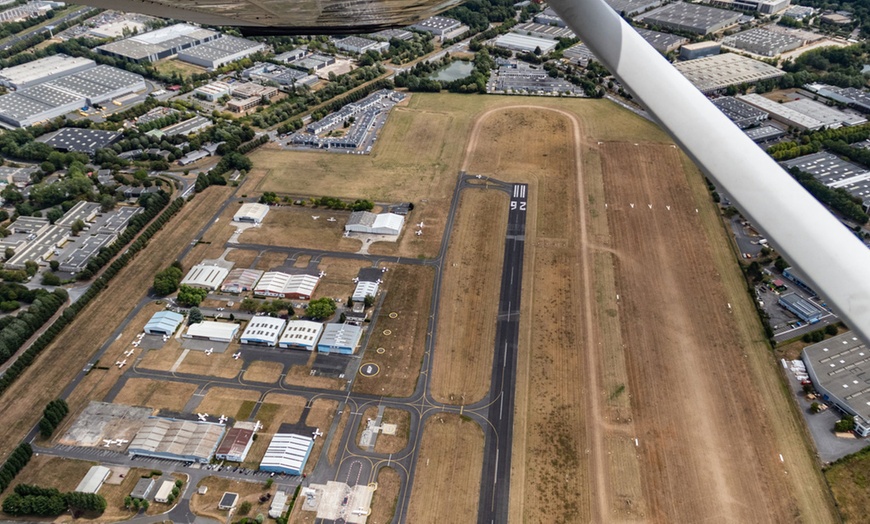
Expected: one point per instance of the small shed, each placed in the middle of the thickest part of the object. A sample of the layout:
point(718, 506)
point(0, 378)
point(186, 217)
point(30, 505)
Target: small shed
point(143, 488)
point(164, 492)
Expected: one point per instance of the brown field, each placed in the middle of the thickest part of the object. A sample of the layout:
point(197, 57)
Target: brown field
point(270, 260)
point(60, 362)
point(206, 505)
point(51, 472)
point(293, 226)
point(301, 376)
point(388, 443)
point(320, 416)
point(339, 430)
point(157, 394)
point(277, 409)
point(242, 257)
point(262, 371)
point(169, 66)
point(228, 401)
point(409, 294)
point(849, 481)
point(385, 497)
point(338, 280)
point(211, 244)
point(449, 466)
point(469, 299)
point(221, 365)
point(161, 359)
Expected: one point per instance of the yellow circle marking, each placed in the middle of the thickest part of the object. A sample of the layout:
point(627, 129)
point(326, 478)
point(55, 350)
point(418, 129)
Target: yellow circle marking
point(371, 372)
point(387, 332)
point(394, 315)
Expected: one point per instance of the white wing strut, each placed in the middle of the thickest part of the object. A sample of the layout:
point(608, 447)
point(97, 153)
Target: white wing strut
point(801, 229)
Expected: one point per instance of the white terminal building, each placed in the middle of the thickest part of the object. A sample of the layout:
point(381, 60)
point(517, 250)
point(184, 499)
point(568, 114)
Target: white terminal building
point(301, 334)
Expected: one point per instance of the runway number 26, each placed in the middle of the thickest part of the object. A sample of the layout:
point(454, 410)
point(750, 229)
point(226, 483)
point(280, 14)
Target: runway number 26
point(514, 205)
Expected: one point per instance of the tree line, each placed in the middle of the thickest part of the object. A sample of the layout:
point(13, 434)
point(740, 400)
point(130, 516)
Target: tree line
point(19, 458)
point(49, 502)
point(52, 416)
point(18, 329)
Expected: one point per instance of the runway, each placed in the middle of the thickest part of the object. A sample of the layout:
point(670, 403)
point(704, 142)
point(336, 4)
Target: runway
point(495, 479)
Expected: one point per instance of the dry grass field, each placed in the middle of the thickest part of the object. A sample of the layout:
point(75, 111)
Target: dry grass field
point(60, 362)
point(388, 443)
point(211, 244)
point(236, 403)
point(469, 299)
point(157, 394)
point(320, 416)
point(294, 226)
point(301, 376)
point(447, 480)
point(51, 472)
point(263, 371)
point(270, 260)
point(277, 409)
point(241, 257)
point(206, 505)
point(221, 365)
point(409, 294)
point(334, 446)
point(850, 481)
point(338, 280)
point(168, 66)
point(385, 497)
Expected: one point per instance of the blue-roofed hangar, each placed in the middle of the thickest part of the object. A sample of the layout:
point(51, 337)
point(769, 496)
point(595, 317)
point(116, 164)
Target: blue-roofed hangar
point(163, 323)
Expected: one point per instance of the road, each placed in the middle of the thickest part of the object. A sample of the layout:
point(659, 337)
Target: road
point(44, 29)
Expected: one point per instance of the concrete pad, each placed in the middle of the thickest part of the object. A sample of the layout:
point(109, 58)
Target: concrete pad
point(202, 345)
point(178, 362)
point(117, 475)
point(151, 342)
point(101, 420)
point(388, 429)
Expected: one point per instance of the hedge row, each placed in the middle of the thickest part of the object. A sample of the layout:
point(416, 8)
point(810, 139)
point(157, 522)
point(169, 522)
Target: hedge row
point(49, 502)
point(52, 415)
point(18, 331)
point(15, 463)
point(18, 367)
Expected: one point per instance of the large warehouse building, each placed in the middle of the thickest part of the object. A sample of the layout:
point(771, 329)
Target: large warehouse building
point(287, 453)
point(713, 74)
point(214, 331)
point(525, 43)
point(763, 41)
point(164, 323)
point(241, 279)
point(43, 70)
point(340, 338)
point(840, 371)
point(370, 223)
point(690, 18)
point(162, 43)
point(251, 212)
point(301, 334)
point(282, 285)
point(237, 443)
point(742, 114)
point(220, 51)
point(263, 330)
point(176, 440)
point(205, 276)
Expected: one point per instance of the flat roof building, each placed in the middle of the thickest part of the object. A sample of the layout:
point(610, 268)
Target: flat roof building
point(834, 172)
point(662, 42)
point(690, 18)
point(301, 334)
point(214, 331)
point(363, 290)
point(173, 439)
point(158, 44)
point(763, 41)
point(630, 8)
point(359, 45)
point(282, 285)
point(205, 276)
point(212, 91)
point(839, 369)
point(375, 224)
point(187, 127)
point(281, 75)
point(795, 275)
point(235, 445)
point(164, 323)
point(276, 509)
point(291, 55)
point(164, 491)
point(287, 453)
point(251, 212)
point(764, 133)
point(43, 70)
point(855, 98)
point(700, 50)
point(830, 117)
point(548, 32)
point(525, 44)
point(742, 114)
point(228, 501)
point(263, 330)
point(437, 25)
point(340, 338)
point(143, 488)
point(75, 139)
point(715, 73)
point(93, 479)
point(389, 34)
point(782, 112)
point(241, 279)
point(804, 309)
point(220, 51)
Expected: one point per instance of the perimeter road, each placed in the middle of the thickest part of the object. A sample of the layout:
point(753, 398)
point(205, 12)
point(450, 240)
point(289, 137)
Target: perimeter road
point(495, 480)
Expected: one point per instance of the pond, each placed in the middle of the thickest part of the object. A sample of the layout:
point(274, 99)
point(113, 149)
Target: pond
point(456, 70)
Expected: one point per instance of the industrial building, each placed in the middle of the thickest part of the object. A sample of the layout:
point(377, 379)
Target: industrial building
point(245, 104)
point(285, 76)
point(214, 331)
point(630, 8)
point(374, 103)
point(765, 7)
point(313, 62)
point(164, 492)
point(799, 12)
point(662, 42)
point(251, 212)
point(549, 32)
point(164, 323)
point(93, 479)
point(764, 133)
point(187, 127)
point(39, 249)
point(742, 114)
point(263, 330)
point(293, 54)
point(374, 224)
point(804, 309)
point(442, 27)
point(228, 501)
point(763, 42)
point(804, 114)
point(713, 74)
point(143, 488)
point(577, 54)
point(236, 443)
point(240, 280)
point(690, 18)
point(158, 44)
point(389, 34)
point(829, 116)
point(212, 91)
point(76, 139)
point(525, 44)
point(279, 501)
point(700, 50)
point(287, 453)
point(550, 17)
point(838, 368)
point(43, 70)
point(855, 98)
point(340, 338)
point(173, 439)
point(205, 276)
point(301, 334)
point(220, 51)
point(282, 285)
point(359, 45)
point(251, 89)
point(363, 290)
point(795, 275)
point(834, 172)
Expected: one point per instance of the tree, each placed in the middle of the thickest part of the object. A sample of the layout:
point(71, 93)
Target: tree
point(194, 316)
point(128, 501)
point(369, 300)
point(321, 309)
point(77, 227)
point(145, 505)
point(815, 407)
point(191, 296)
point(845, 424)
point(9, 253)
point(167, 281)
point(50, 279)
point(249, 305)
point(54, 264)
point(831, 329)
point(31, 267)
point(107, 203)
point(244, 508)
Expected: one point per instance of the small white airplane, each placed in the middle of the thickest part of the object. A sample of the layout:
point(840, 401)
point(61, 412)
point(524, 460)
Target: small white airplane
point(140, 335)
point(419, 232)
point(478, 176)
point(209, 351)
point(420, 225)
point(121, 442)
point(258, 426)
point(346, 234)
point(315, 217)
point(129, 353)
point(384, 269)
point(121, 363)
point(237, 355)
point(202, 417)
point(380, 281)
point(222, 419)
point(330, 219)
point(317, 433)
point(355, 279)
point(108, 442)
point(360, 511)
point(321, 274)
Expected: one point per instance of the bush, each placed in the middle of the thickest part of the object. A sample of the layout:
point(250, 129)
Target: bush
point(815, 407)
point(845, 424)
point(244, 508)
point(831, 329)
